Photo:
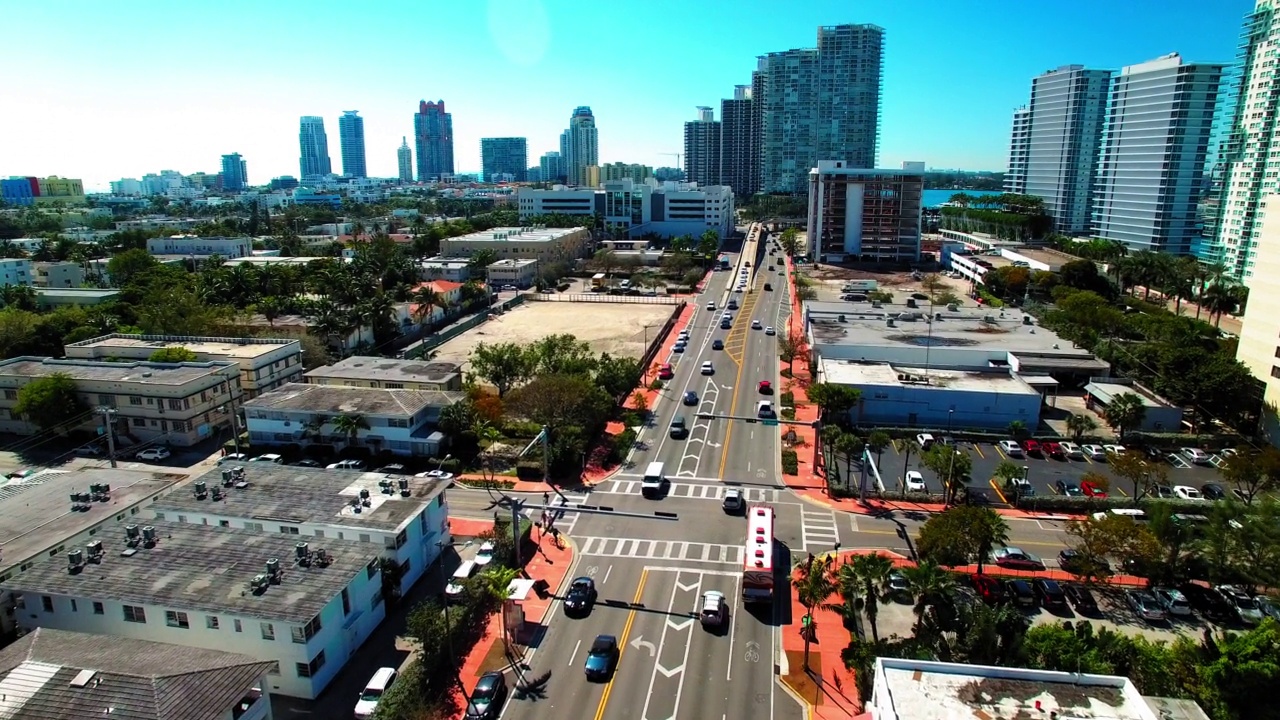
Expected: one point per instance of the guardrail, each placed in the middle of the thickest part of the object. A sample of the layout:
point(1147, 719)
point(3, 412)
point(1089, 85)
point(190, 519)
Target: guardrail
point(606, 298)
point(431, 342)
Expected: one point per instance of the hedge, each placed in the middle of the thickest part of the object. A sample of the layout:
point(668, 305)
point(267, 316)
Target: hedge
point(1083, 505)
point(790, 462)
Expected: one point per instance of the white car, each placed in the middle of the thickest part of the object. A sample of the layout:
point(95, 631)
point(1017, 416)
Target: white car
point(714, 608)
point(711, 306)
point(1114, 449)
point(155, 453)
point(269, 458)
point(1011, 448)
point(915, 482)
point(346, 465)
point(485, 555)
point(708, 368)
point(1195, 455)
point(769, 330)
point(1071, 450)
point(1186, 492)
point(684, 335)
point(924, 440)
point(1094, 452)
point(755, 325)
point(233, 457)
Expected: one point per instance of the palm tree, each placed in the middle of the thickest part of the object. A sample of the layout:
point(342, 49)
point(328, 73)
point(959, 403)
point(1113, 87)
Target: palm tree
point(488, 436)
point(1079, 425)
point(314, 428)
point(271, 307)
point(350, 425)
point(877, 442)
point(483, 259)
point(930, 585)
point(1125, 411)
point(494, 583)
point(814, 586)
point(990, 530)
point(850, 447)
point(425, 300)
point(871, 572)
point(1219, 299)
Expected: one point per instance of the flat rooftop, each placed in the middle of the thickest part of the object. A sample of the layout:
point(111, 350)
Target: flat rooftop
point(139, 372)
point(359, 367)
point(1106, 391)
point(1049, 256)
point(237, 348)
point(295, 495)
point(852, 372)
point(35, 512)
point(206, 568)
point(331, 399)
point(275, 260)
point(967, 327)
point(513, 262)
point(76, 293)
point(921, 689)
point(514, 234)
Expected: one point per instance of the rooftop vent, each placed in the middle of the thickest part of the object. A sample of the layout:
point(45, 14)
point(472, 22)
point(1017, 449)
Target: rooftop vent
point(404, 487)
point(259, 584)
point(131, 536)
point(94, 549)
point(149, 536)
point(952, 307)
point(75, 560)
point(217, 493)
point(989, 319)
point(228, 477)
point(201, 490)
point(302, 553)
point(82, 678)
point(274, 571)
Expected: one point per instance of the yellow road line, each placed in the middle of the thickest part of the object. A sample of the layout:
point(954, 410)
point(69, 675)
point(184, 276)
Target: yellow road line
point(978, 449)
point(997, 489)
point(622, 645)
point(999, 452)
point(728, 430)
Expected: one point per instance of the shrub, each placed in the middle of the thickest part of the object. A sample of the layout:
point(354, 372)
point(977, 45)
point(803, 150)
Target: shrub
point(622, 443)
point(788, 413)
point(790, 462)
point(529, 470)
point(1084, 505)
point(494, 484)
point(631, 419)
point(655, 385)
point(787, 399)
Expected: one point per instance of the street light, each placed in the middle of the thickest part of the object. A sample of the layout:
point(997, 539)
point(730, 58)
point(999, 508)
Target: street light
point(448, 628)
point(440, 463)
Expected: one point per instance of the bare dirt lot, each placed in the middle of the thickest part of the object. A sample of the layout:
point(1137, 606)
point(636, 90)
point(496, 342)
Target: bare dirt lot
point(618, 329)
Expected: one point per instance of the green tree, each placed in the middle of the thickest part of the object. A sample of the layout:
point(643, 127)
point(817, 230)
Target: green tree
point(834, 400)
point(1110, 535)
point(1018, 430)
point(1007, 471)
point(483, 259)
point(789, 348)
point(494, 584)
point(560, 401)
point(931, 586)
point(962, 535)
point(709, 244)
point(1079, 425)
point(877, 441)
point(869, 575)
point(488, 436)
point(813, 584)
point(1141, 474)
point(1252, 472)
point(561, 354)
point(790, 242)
point(1125, 411)
point(127, 266)
point(503, 365)
point(350, 425)
point(952, 466)
point(172, 354)
point(51, 403)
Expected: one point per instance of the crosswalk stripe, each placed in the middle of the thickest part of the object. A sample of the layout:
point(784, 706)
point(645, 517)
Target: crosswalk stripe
point(694, 491)
point(661, 550)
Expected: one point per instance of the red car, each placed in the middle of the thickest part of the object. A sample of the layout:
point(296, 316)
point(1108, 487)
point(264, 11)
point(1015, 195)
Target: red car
point(1091, 489)
point(989, 589)
point(765, 387)
point(665, 372)
point(1053, 450)
point(1032, 447)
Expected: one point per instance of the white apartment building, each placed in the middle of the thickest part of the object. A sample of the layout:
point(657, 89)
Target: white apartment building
point(536, 243)
point(227, 247)
point(1259, 345)
point(445, 268)
point(401, 422)
point(177, 404)
point(264, 363)
point(522, 273)
point(16, 271)
point(387, 373)
point(405, 519)
point(304, 604)
point(665, 209)
point(58, 274)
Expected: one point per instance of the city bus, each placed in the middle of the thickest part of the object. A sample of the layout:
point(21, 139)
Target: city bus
point(757, 561)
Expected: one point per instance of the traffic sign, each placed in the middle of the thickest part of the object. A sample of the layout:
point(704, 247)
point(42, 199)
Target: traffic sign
point(770, 422)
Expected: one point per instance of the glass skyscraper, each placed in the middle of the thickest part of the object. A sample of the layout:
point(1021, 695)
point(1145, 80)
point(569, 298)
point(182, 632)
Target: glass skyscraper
point(579, 145)
point(433, 134)
point(351, 131)
point(314, 147)
point(235, 174)
point(1068, 108)
point(504, 156)
point(404, 160)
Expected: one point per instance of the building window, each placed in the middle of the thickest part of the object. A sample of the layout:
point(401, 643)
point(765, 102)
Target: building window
point(306, 670)
point(98, 609)
point(236, 625)
point(108, 400)
point(303, 633)
point(173, 618)
point(135, 400)
point(402, 538)
point(346, 601)
point(364, 537)
point(139, 422)
point(319, 533)
point(46, 602)
point(135, 614)
point(253, 526)
point(289, 529)
point(377, 598)
point(372, 569)
point(74, 606)
point(268, 631)
point(10, 394)
point(211, 622)
point(224, 523)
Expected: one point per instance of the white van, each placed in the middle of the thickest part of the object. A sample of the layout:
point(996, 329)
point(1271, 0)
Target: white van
point(461, 575)
point(655, 477)
point(381, 681)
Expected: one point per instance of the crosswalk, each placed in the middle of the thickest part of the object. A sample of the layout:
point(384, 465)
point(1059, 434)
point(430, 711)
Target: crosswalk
point(696, 491)
point(660, 550)
point(818, 528)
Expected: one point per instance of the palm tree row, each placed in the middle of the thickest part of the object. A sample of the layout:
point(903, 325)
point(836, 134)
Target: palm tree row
point(1184, 279)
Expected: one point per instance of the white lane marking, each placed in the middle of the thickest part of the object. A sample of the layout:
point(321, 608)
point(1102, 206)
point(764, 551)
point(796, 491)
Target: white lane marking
point(662, 550)
point(606, 575)
point(818, 527)
point(733, 626)
point(574, 653)
point(662, 639)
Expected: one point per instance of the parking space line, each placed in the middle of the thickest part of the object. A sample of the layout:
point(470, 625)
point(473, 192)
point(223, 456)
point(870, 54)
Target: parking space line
point(1004, 500)
point(978, 449)
point(999, 452)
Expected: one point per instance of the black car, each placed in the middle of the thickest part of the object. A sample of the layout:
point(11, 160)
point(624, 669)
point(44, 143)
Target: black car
point(768, 287)
point(1069, 489)
point(1080, 598)
point(308, 463)
point(1050, 593)
point(717, 344)
point(1156, 453)
point(678, 428)
point(1207, 601)
point(580, 597)
point(1020, 593)
point(602, 657)
point(487, 697)
point(1213, 491)
point(1076, 563)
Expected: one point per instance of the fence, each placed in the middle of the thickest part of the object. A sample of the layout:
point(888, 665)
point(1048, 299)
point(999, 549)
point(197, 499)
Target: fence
point(426, 345)
point(605, 298)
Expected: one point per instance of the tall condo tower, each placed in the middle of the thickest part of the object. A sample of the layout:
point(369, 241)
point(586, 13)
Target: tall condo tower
point(404, 160)
point(235, 174)
point(314, 147)
point(1015, 180)
point(702, 148)
point(351, 132)
point(552, 166)
point(504, 156)
point(579, 145)
point(819, 103)
point(1151, 170)
point(738, 144)
point(1068, 106)
point(433, 131)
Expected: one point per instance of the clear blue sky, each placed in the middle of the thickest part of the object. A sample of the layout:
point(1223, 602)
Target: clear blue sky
point(108, 90)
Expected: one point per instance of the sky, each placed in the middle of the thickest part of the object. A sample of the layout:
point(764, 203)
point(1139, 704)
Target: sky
point(101, 91)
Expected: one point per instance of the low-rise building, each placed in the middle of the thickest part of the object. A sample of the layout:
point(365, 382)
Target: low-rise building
point(50, 297)
point(265, 363)
point(666, 209)
point(537, 243)
point(388, 373)
point(227, 247)
point(60, 674)
point(444, 268)
point(399, 422)
point(177, 404)
point(16, 271)
point(1159, 415)
point(864, 215)
point(304, 605)
point(58, 274)
point(511, 271)
point(406, 519)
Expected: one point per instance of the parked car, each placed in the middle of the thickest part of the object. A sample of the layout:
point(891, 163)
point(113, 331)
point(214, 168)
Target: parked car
point(1077, 563)
point(436, 474)
point(1068, 489)
point(690, 397)
point(1145, 606)
point(665, 372)
point(1054, 450)
point(1020, 593)
point(1080, 598)
point(924, 440)
point(898, 584)
point(1213, 491)
point(988, 588)
point(1246, 608)
point(346, 465)
point(1016, 558)
point(269, 458)
point(1050, 593)
point(581, 596)
point(915, 482)
point(1072, 451)
point(94, 450)
point(1195, 455)
point(393, 469)
point(1173, 601)
point(484, 556)
point(1186, 492)
point(679, 347)
point(1032, 447)
point(367, 702)
point(1162, 491)
point(1207, 601)
point(1011, 448)
point(1092, 489)
point(487, 697)
point(602, 657)
point(153, 454)
point(308, 462)
point(1114, 449)
point(233, 457)
point(1094, 452)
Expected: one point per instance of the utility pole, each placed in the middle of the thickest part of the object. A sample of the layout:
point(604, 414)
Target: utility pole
point(546, 455)
point(108, 416)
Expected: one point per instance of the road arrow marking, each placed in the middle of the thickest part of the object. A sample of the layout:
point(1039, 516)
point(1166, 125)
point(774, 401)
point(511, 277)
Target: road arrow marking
point(640, 642)
point(682, 586)
point(680, 625)
point(669, 673)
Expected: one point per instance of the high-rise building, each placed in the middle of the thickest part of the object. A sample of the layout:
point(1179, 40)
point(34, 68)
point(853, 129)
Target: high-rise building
point(314, 144)
point(579, 145)
point(433, 131)
point(1252, 161)
point(702, 148)
point(235, 174)
point(636, 173)
point(553, 168)
point(533, 174)
point(738, 152)
point(404, 160)
point(1207, 249)
point(351, 130)
point(504, 156)
point(867, 215)
point(1068, 106)
point(1150, 172)
point(819, 103)
point(1015, 180)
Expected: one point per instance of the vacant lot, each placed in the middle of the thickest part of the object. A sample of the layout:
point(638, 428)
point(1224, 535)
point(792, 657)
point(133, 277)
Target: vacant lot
point(618, 329)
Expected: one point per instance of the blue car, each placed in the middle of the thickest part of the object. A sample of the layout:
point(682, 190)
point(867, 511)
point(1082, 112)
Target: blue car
point(602, 657)
point(690, 397)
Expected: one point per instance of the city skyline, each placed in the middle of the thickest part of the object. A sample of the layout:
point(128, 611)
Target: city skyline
point(258, 108)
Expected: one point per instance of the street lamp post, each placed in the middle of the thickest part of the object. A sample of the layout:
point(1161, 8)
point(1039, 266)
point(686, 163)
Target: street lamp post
point(440, 463)
point(448, 628)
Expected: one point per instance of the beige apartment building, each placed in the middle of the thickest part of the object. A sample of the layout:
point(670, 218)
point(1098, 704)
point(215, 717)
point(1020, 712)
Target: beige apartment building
point(1259, 346)
point(265, 363)
point(529, 243)
point(178, 404)
point(388, 374)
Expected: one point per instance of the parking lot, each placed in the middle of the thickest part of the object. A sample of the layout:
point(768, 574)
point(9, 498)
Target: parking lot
point(1042, 472)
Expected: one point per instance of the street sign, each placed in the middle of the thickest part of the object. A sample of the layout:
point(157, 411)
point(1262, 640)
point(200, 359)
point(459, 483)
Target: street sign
point(771, 422)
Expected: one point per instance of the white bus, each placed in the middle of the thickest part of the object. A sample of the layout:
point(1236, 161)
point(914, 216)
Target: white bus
point(757, 561)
